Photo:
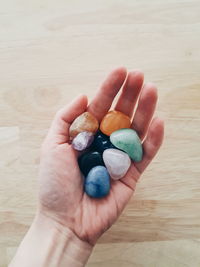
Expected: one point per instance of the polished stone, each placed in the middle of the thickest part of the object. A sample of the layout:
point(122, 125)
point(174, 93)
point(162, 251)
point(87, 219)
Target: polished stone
point(114, 120)
point(101, 142)
point(117, 163)
point(128, 141)
point(89, 160)
point(97, 182)
point(82, 141)
point(86, 122)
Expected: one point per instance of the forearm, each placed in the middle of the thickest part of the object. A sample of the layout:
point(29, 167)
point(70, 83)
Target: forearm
point(48, 244)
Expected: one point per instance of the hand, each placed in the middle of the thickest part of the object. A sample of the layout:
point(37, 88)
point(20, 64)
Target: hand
point(62, 198)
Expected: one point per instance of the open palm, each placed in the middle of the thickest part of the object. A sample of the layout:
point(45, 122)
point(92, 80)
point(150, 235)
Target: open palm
point(61, 184)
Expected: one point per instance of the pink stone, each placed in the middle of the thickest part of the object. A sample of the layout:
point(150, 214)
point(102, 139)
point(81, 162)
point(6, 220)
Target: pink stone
point(82, 141)
point(117, 162)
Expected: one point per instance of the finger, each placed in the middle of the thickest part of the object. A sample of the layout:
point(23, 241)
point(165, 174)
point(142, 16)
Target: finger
point(151, 144)
point(131, 177)
point(59, 129)
point(145, 110)
point(105, 95)
point(130, 93)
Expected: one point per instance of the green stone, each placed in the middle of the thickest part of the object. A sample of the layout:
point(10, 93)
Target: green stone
point(128, 141)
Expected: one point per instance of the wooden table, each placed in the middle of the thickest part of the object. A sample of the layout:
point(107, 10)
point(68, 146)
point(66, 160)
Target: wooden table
point(51, 51)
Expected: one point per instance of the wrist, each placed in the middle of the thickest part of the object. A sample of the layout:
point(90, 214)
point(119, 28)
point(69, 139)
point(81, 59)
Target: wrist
point(55, 246)
point(74, 250)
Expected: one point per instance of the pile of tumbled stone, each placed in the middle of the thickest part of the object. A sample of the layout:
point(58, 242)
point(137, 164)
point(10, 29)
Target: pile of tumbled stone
point(107, 152)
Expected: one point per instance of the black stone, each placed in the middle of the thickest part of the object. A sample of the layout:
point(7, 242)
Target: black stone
point(101, 142)
point(89, 160)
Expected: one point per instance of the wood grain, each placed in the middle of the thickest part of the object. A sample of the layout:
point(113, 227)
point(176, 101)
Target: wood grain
point(51, 51)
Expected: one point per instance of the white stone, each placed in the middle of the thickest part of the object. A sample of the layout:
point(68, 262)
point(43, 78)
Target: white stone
point(117, 162)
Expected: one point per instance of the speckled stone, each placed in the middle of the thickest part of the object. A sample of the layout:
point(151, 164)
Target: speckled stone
point(114, 120)
point(101, 142)
point(89, 160)
point(82, 141)
point(97, 182)
point(117, 163)
point(86, 122)
point(128, 141)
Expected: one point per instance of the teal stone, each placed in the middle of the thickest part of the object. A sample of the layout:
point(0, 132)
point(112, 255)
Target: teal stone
point(128, 141)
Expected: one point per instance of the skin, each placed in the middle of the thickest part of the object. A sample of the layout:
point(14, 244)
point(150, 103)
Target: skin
point(61, 197)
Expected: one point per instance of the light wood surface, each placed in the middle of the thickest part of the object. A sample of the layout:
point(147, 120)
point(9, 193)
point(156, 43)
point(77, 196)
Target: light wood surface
point(51, 51)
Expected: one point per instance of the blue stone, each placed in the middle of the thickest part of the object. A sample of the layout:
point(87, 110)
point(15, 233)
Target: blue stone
point(89, 160)
point(101, 142)
point(97, 182)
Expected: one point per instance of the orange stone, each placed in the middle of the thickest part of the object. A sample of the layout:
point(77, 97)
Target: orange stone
point(113, 121)
point(86, 122)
